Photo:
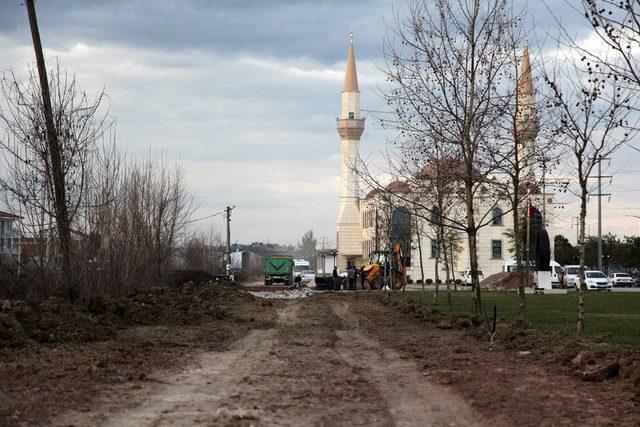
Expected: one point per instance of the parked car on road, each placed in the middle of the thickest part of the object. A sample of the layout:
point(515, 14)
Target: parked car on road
point(307, 276)
point(571, 275)
point(597, 280)
point(467, 276)
point(622, 280)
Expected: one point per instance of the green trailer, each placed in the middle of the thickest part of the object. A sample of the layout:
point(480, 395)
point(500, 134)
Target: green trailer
point(278, 269)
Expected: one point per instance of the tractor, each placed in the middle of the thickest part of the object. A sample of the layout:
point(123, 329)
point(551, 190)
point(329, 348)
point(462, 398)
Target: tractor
point(379, 262)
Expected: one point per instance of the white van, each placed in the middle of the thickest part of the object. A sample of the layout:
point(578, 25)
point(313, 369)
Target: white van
point(300, 265)
point(557, 272)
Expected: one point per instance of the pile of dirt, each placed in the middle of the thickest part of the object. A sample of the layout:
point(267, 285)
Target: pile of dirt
point(49, 320)
point(96, 319)
point(596, 366)
point(502, 280)
point(588, 360)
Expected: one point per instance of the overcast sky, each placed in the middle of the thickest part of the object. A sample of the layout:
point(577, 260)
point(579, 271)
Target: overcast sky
point(245, 93)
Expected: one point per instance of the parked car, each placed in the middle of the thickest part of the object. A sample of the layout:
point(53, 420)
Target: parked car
point(571, 275)
point(308, 276)
point(467, 276)
point(597, 280)
point(622, 279)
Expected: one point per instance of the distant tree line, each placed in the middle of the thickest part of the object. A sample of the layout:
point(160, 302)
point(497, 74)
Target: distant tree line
point(617, 252)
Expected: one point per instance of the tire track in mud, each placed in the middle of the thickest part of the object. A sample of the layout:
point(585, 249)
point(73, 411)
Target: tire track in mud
point(410, 398)
point(287, 375)
point(195, 395)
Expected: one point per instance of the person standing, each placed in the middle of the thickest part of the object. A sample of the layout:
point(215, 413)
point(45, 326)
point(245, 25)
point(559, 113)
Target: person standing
point(351, 275)
point(335, 278)
point(363, 276)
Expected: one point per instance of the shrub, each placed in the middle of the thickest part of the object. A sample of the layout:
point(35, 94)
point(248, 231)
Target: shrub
point(438, 282)
point(419, 281)
point(409, 281)
point(458, 281)
point(429, 281)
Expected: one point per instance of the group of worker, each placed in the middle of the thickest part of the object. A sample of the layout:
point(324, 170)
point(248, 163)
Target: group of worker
point(352, 278)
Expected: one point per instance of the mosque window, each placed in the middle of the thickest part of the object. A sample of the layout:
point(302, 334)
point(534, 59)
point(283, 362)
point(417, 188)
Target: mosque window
point(434, 248)
point(497, 216)
point(496, 249)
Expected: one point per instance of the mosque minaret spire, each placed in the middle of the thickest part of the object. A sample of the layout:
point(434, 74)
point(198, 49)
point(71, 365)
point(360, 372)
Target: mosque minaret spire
point(528, 124)
point(350, 126)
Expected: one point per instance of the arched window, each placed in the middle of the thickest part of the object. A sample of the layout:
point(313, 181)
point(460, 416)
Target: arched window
point(497, 216)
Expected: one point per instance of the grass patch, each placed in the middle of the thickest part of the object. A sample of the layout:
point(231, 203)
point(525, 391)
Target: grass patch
point(610, 317)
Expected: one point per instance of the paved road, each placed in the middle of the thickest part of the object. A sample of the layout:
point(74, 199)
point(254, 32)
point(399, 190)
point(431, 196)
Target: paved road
point(414, 287)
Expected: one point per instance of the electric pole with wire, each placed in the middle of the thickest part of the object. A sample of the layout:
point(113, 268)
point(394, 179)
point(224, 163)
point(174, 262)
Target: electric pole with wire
point(228, 218)
point(577, 218)
point(600, 194)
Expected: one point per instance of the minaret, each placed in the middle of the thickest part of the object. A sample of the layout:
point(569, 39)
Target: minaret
point(527, 124)
point(350, 127)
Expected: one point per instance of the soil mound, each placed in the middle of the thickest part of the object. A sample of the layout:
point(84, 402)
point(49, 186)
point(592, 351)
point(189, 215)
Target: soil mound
point(95, 319)
point(184, 304)
point(502, 281)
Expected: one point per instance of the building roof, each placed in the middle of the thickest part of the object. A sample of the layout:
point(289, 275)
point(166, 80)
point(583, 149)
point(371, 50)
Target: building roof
point(398, 187)
point(372, 193)
point(351, 76)
point(4, 214)
point(446, 168)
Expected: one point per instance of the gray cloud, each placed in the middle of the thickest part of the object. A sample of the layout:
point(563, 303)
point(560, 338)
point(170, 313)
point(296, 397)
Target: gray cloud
point(244, 92)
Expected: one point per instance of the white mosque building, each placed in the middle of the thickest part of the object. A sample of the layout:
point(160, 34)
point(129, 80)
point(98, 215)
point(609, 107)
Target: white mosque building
point(356, 227)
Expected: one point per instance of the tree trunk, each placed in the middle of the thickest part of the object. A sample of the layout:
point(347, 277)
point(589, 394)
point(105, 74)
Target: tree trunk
point(453, 268)
point(581, 277)
point(448, 275)
point(472, 234)
point(473, 261)
point(53, 146)
point(522, 315)
point(437, 276)
point(420, 256)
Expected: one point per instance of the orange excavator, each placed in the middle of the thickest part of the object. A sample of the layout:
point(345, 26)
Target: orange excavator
point(378, 262)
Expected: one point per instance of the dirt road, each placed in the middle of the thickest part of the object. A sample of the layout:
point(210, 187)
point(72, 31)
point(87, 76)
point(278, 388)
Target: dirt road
point(340, 360)
point(316, 367)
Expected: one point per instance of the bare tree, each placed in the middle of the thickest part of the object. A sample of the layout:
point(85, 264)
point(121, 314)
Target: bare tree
point(593, 120)
point(80, 122)
point(617, 25)
point(446, 63)
point(54, 156)
point(140, 215)
point(522, 151)
point(205, 251)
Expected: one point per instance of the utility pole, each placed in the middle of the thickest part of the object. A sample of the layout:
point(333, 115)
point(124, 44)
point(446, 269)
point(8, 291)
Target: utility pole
point(577, 218)
point(228, 211)
point(55, 157)
point(600, 194)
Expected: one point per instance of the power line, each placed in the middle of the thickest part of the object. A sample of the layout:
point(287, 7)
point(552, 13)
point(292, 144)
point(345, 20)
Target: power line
point(206, 217)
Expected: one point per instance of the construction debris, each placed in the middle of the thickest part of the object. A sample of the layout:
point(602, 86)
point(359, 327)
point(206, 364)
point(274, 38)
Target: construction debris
point(286, 294)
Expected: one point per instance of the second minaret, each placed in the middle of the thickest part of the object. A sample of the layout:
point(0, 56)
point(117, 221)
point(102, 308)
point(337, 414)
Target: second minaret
point(350, 127)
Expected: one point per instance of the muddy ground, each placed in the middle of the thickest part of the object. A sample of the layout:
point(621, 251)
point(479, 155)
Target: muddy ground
point(328, 360)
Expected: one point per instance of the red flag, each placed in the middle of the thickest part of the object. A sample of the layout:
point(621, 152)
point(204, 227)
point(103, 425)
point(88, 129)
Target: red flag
point(531, 211)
